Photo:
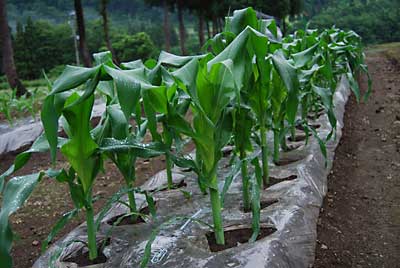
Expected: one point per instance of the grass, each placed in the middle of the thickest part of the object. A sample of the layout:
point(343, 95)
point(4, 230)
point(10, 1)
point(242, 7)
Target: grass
point(391, 50)
point(12, 108)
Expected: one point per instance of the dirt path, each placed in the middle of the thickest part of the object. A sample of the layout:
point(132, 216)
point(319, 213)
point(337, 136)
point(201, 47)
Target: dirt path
point(359, 224)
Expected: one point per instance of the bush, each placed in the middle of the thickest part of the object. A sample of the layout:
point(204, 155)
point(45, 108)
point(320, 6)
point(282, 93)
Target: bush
point(40, 45)
point(137, 46)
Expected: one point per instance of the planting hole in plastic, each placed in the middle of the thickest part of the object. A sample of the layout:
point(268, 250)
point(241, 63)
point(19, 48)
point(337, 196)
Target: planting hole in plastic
point(227, 150)
point(81, 257)
point(127, 220)
point(286, 159)
point(273, 180)
point(315, 126)
point(298, 137)
point(313, 115)
point(263, 204)
point(293, 146)
point(176, 185)
point(236, 237)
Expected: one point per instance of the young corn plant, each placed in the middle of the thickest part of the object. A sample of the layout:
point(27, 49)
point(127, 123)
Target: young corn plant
point(161, 103)
point(121, 142)
point(211, 90)
point(124, 147)
point(81, 152)
point(161, 100)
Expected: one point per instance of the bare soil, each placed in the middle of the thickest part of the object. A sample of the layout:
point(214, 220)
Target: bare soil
point(359, 224)
point(236, 237)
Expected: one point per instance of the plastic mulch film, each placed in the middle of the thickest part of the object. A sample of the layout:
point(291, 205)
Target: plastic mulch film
point(25, 131)
point(289, 217)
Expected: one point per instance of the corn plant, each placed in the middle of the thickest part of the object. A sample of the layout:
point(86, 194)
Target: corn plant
point(211, 91)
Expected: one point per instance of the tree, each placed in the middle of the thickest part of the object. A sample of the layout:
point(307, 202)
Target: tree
point(80, 22)
point(41, 45)
point(200, 17)
point(199, 8)
point(133, 47)
point(182, 33)
point(167, 32)
point(104, 15)
point(8, 52)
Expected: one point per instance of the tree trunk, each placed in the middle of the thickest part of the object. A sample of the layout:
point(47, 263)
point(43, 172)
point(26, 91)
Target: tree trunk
point(283, 26)
point(80, 22)
point(103, 12)
point(167, 29)
point(8, 53)
point(181, 28)
point(218, 26)
point(208, 29)
point(222, 24)
point(214, 26)
point(201, 28)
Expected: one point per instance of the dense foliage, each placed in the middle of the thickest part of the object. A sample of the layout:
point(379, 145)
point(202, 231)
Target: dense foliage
point(377, 21)
point(34, 29)
point(41, 45)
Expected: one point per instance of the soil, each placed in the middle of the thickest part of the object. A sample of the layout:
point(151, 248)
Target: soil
point(273, 180)
point(359, 224)
point(82, 257)
point(122, 219)
point(235, 237)
point(263, 204)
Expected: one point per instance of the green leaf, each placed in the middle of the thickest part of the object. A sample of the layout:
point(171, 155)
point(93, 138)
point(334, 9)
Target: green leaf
point(186, 76)
point(304, 57)
point(321, 143)
point(241, 19)
point(132, 64)
point(151, 204)
point(289, 77)
point(364, 68)
point(39, 145)
point(50, 124)
point(327, 101)
point(354, 86)
point(103, 58)
point(128, 85)
point(118, 122)
point(73, 77)
point(80, 148)
point(256, 184)
point(16, 192)
point(174, 60)
point(215, 89)
point(60, 224)
point(235, 168)
point(144, 150)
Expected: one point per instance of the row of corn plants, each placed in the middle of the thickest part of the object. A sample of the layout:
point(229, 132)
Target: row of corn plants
point(250, 81)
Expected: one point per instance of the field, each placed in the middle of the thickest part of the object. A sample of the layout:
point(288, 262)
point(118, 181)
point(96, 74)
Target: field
point(246, 136)
point(338, 219)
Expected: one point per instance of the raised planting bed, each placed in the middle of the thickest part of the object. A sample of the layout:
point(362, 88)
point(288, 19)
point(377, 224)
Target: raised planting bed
point(289, 213)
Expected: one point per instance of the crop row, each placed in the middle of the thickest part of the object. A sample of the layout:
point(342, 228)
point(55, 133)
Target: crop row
point(250, 81)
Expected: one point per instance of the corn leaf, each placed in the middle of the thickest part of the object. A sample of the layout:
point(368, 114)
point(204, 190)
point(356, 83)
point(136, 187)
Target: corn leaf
point(16, 192)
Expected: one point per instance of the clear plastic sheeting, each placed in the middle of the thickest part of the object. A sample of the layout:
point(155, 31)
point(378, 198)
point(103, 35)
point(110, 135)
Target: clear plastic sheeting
point(25, 131)
point(181, 240)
